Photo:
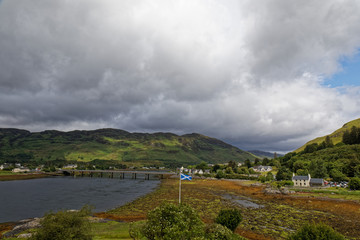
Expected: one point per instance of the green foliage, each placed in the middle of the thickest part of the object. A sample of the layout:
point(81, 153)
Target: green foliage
point(338, 162)
point(220, 174)
point(229, 218)
point(219, 232)
point(354, 183)
point(283, 174)
point(65, 225)
point(248, 163)
point(352, 137)
point(316, 232)
point(135, 230)
point(337, 176)
point(269, 176)
point(171, 221)
point(283, 183)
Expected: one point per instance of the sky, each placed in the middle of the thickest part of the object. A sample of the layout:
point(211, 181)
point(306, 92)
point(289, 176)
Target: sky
point(268, 75)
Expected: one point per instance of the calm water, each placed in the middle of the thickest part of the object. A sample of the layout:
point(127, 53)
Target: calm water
point(32, 198)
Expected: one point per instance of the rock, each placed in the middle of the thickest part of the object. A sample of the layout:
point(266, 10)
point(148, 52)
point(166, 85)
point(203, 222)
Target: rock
point(271, 191)
point(24, 225)
point(284, 191)
point(24, 235)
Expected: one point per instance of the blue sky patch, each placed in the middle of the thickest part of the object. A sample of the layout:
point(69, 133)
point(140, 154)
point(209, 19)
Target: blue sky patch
point(350, 74)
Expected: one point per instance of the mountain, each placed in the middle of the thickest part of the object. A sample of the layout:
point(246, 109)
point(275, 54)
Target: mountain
point(131, 149)
point(336, 136)
point(263, 154)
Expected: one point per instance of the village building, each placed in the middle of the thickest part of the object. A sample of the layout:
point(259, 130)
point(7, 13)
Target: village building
point(21, 170)
point(261, 168)
point(307, 181)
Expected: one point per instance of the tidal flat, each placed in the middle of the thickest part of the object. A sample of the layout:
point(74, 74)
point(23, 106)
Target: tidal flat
point(278, 216)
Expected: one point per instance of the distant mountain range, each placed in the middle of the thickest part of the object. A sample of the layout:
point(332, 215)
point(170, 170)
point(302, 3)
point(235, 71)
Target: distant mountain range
point(132, 149)
point(263, 154)
point(336, 136)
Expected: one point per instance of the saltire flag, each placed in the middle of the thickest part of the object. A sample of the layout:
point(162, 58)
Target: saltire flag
point(185, 177)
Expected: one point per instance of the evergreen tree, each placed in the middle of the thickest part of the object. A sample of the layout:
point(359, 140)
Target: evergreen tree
point(346, 137)
point(328, 142)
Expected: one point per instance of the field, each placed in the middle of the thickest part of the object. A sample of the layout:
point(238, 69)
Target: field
point(265, 217)
point(271, 217)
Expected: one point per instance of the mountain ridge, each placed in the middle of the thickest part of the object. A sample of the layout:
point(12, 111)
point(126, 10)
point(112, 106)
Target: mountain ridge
point(158, 149)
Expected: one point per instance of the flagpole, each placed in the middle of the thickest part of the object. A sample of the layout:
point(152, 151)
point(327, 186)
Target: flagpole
point(180, 185)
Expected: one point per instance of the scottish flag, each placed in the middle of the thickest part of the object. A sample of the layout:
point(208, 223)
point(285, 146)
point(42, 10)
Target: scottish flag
point(185, 177)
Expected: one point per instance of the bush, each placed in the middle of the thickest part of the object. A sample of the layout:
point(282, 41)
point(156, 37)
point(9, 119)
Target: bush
point(65, 225)
point(220, 174)
point(316, 232)
point(219, 232)
point(354, 183)
point(170, 221)
point(229, 218)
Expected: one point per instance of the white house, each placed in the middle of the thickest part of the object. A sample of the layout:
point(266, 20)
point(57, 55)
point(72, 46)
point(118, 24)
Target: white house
point(21, 170)
point(307, 181)
point(261, 168)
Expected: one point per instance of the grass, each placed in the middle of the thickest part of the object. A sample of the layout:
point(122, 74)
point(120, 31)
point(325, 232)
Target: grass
point(5, 173)
point(110, 230)
point(105, 231)
point(335, 193)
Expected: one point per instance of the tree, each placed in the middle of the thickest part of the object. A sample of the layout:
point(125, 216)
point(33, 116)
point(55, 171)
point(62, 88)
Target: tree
point(328, 142)
point(318, 168)
point(215, 168)
point(203, 165)
point(232, 164)
point(354, 183)
point(337, 176)
point(248, 163)
point(283, 174)
point(65, 225)
point(265, 161)
point(220, 174)
point(311, 148)
point(170, 221)
point(269, 176)
point(229, 218)
point(346, 137)
point(316, 232)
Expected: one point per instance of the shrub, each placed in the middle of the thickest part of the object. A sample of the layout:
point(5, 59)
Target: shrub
point(229, 218)
point(316, 232)
point(354, 183)
point(220, 174)
point(65, 225)
point(170, 221)
point(219, 232)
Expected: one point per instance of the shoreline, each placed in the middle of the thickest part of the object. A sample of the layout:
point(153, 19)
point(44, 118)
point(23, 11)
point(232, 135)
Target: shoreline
point(9, 226)
point(28, 176)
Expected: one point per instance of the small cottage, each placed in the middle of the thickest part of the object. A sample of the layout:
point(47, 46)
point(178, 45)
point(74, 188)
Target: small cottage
point(307, 181)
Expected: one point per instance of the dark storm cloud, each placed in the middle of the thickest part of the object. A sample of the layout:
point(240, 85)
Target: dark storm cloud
point(247, 72)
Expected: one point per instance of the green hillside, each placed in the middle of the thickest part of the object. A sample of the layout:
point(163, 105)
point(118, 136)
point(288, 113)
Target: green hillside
point(131, 149)
point(336, 136)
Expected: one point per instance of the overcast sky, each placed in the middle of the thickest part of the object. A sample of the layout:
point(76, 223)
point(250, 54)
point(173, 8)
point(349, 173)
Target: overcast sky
point(267, 75)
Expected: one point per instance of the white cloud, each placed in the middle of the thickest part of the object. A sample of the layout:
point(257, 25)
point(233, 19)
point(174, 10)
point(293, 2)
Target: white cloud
point(248, 72)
